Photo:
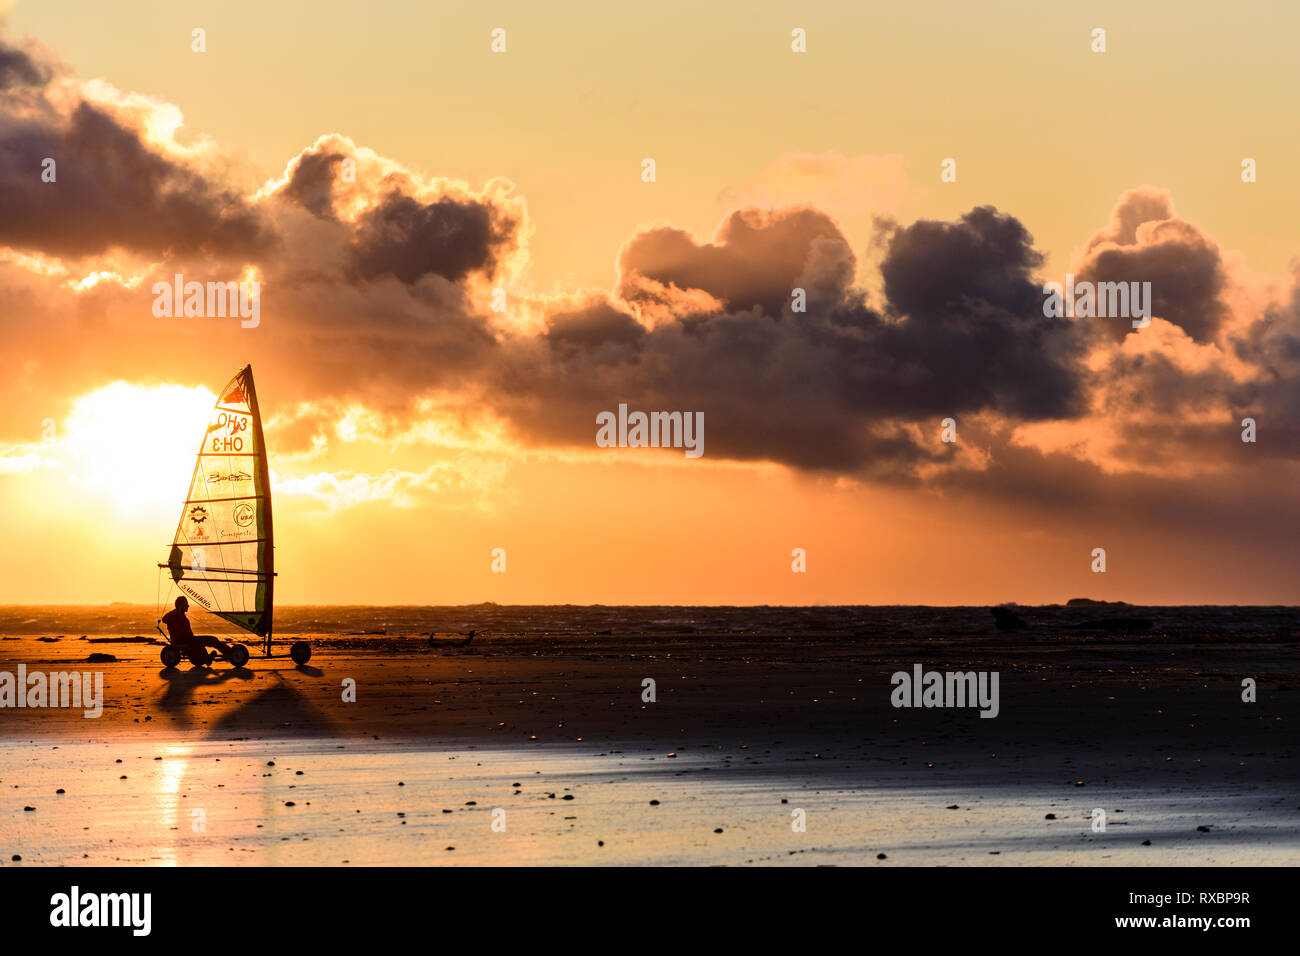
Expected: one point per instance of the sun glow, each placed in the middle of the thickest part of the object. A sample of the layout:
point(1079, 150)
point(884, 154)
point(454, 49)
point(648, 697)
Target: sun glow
point(136, 444)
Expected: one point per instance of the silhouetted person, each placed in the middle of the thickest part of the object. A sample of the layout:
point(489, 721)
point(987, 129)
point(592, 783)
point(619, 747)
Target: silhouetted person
point(194, 646)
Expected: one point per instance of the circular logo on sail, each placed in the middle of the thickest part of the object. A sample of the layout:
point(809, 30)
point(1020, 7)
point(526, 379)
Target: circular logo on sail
point(244, 514)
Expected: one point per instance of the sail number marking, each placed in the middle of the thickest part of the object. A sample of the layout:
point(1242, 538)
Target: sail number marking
point(227, 437)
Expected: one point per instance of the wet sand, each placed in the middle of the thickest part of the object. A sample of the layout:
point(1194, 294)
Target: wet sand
point(1149, 728)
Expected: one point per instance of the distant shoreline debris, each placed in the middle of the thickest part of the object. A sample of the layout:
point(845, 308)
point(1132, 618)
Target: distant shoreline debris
point(1007, 619)
point(435, 642)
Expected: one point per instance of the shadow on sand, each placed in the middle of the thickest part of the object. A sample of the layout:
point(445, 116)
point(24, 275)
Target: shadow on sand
point(280, 709)
point(182, 685)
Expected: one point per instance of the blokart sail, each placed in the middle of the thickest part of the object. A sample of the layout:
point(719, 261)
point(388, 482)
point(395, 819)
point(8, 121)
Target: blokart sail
point(222, 556)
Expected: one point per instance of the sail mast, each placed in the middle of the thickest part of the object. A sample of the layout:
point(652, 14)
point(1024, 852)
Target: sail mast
point(264, 482)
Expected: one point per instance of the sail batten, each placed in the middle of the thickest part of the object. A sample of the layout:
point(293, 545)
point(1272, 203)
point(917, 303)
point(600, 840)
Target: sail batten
point(221, 555)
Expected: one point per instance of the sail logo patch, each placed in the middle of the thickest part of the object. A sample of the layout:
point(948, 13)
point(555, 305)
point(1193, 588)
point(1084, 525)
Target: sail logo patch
point(203, 602)
point(244, 514)
point(216, 477)
point(198, 515)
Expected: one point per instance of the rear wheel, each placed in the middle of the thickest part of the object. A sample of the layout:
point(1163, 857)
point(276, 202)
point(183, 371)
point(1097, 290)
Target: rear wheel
point(238, 655)
point(171, 655)
point(300, 652)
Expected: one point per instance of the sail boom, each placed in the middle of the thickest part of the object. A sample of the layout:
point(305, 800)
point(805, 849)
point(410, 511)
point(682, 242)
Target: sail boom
point(189, 501)
point(254, 574)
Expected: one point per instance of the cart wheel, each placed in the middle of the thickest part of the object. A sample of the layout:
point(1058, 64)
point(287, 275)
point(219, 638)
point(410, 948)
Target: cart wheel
point(300, 652)
point(171, 655)
point(238, 655)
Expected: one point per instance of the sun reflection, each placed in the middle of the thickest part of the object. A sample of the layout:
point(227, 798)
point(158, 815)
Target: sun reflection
point(174, 764)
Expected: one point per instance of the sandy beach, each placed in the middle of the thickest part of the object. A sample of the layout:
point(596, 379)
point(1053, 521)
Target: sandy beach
point(536, 748)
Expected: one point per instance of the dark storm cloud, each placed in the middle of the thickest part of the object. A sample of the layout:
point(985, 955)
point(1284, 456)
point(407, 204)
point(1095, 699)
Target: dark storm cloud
point(935, 267)
point(18, 68)
point(753, 263)
point(409, 239)
point(400, 234)
point(111, 190)
point(1272, 343)
point(829, 388)
point(310, 182)
point(1147, 242)
point(591, 329)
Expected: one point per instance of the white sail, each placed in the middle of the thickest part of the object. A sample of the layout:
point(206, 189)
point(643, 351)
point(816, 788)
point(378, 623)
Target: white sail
point(222, 554)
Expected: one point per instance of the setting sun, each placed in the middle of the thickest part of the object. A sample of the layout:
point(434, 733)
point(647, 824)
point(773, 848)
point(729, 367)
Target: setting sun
point(135, 444)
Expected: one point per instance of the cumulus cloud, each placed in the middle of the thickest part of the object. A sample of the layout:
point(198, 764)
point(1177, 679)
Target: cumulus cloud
point(111, 189)
point(829, 388)
point(401, 226)
point(1147, 242)
point(20, 68)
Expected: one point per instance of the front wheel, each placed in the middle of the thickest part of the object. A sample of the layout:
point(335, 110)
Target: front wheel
point(171, 655)
point(300, 652)
point(238, 655)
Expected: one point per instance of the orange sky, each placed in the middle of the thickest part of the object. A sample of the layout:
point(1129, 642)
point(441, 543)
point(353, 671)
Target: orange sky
point(381, 176)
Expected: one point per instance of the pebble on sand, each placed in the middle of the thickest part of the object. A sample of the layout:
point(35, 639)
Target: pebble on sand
point(718, 830)
point(952, 806)
point(1050, 816)
point(654, 803)
point(16, 858)
point(881, 856)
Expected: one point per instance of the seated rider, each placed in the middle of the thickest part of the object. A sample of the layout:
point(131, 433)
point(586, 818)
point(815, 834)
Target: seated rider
point(191, 645)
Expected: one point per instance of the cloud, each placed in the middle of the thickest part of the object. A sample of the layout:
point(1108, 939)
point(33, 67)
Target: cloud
point(467, 478)
point(830, 388)
point(1147, 242)
point(112, 191)
point(399, 225)
point(755, 260)
point(375, 280)
point(19, 68)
